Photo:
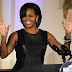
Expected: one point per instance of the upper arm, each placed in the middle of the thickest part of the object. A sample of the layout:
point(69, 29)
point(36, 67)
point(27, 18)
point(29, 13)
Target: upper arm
point(52, 40)
point(13, 38)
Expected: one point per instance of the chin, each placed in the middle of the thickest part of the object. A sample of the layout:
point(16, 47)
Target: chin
point(29, 26)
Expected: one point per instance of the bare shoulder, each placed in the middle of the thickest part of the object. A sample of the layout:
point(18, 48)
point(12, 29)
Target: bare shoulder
point(14, 34)
point(13, 37)
point(50, 36)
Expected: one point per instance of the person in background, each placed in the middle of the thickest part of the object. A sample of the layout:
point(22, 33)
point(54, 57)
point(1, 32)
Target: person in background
point(30, 42)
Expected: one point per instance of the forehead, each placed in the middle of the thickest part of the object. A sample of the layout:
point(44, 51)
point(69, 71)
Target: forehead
point(30, 11)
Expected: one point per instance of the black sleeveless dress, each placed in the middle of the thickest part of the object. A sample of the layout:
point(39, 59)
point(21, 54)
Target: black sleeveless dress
point(30, 49)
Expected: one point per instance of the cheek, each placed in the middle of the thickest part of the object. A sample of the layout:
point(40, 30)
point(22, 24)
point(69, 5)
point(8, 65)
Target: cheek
point(34, 20)
point(23, 21)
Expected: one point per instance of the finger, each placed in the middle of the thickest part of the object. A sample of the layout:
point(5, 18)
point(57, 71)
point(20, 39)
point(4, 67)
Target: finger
point(62, 22)
point(8, 27)
point(1, 32)
point(1, 27)
point(2, 21)
point(67, 18)
point(71, 16)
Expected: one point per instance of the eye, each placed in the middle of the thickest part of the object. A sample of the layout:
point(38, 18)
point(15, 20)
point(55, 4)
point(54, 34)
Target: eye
point(25, 15)
point(30, 15)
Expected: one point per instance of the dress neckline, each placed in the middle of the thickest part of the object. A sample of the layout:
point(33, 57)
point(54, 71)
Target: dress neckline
point(30, 33)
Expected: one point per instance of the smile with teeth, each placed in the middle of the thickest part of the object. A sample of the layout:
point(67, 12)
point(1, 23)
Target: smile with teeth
point(28, 22)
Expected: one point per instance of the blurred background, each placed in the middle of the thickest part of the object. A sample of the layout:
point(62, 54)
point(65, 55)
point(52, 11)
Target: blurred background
point(52, 17)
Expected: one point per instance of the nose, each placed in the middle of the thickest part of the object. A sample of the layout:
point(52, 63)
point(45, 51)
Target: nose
point(27, 18)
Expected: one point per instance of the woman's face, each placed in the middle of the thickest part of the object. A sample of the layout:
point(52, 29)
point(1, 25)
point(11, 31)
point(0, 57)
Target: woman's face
point(30, 18)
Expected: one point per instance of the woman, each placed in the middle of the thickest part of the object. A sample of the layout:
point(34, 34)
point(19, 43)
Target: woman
point(30, 43)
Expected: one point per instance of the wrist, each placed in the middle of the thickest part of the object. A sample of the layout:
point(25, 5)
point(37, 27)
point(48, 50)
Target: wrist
point(67, 40)
point(4, 37)
point(68, 35)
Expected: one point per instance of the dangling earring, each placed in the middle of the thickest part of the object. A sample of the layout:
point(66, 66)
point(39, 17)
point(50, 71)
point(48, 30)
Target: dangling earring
point(36, 23)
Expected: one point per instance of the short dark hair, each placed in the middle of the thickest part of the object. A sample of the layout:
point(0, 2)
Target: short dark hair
point(33, 6)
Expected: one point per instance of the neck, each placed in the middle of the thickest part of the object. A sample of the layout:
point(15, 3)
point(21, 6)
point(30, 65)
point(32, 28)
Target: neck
point(31, 30)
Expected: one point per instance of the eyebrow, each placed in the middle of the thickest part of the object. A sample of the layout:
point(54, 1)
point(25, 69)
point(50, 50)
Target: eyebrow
point(31, 14)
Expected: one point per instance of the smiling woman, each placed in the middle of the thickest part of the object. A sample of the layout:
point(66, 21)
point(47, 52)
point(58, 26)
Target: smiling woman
point(27, 12)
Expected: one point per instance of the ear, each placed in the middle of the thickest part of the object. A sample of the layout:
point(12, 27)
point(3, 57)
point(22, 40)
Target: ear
point(37, 18)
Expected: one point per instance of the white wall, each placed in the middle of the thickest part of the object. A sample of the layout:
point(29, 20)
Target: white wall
point(51, 21)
